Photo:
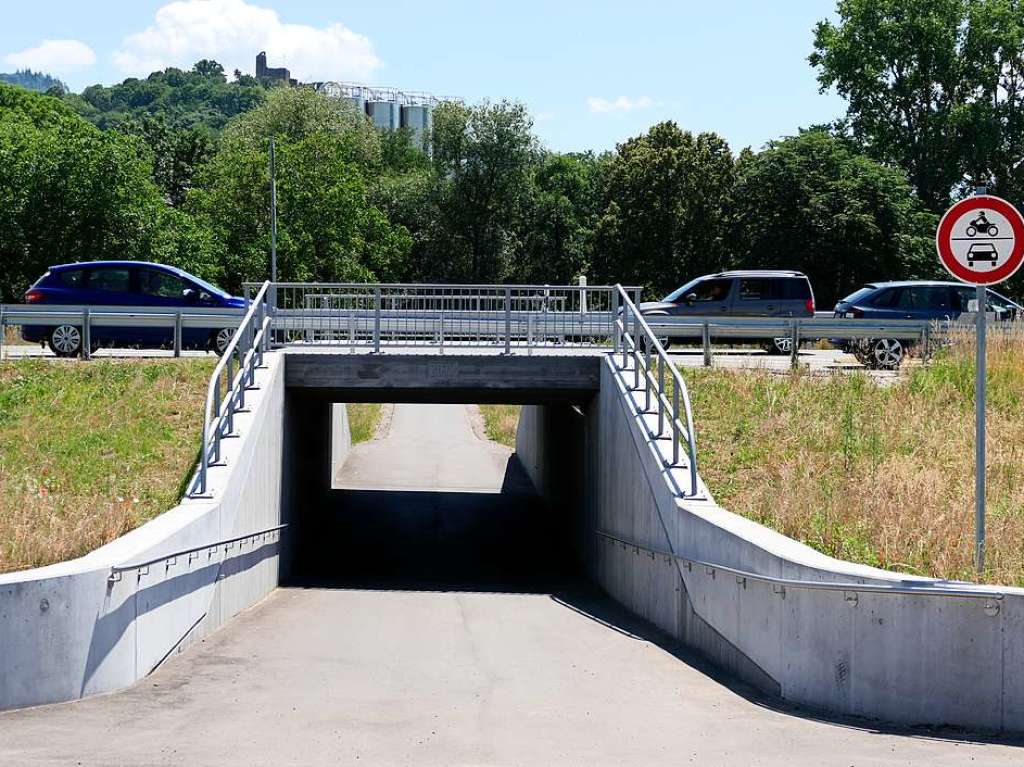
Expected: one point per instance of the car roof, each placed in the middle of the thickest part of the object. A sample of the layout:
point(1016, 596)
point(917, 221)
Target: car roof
point(759, 273)
point(90, 264)
point(917, 283)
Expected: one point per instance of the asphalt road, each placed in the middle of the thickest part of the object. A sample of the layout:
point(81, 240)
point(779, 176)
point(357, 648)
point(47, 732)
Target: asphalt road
point(515, 673)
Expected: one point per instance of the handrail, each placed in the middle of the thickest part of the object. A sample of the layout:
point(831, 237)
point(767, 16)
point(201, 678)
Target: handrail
point(116, 570)
point(217, 413)
point(874, 588)
point(640, 349)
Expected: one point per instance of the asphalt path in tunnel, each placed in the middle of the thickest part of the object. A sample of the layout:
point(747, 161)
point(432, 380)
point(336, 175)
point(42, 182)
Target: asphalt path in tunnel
point(468, 674)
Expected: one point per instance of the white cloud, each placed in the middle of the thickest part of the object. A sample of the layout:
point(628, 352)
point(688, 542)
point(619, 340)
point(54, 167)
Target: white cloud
point(621, 104)
point(234, 31)
point(56, 57)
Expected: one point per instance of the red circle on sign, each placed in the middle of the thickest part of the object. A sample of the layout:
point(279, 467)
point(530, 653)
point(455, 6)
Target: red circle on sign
point(943, 240)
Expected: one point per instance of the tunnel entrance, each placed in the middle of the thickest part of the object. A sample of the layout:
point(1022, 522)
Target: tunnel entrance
point(431, 504)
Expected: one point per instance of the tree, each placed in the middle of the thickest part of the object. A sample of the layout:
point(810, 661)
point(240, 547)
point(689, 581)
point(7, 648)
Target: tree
point(935, 88)
point(812, 203)
point(563, 209)
point(667, 203)
point(177, 154)
point(328, 230)
point(68, 192)
point(483, 159)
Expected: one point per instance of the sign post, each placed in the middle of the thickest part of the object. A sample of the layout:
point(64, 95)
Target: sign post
point(980, 241)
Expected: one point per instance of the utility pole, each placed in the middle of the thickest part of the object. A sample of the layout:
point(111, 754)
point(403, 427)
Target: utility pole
point(273, 215)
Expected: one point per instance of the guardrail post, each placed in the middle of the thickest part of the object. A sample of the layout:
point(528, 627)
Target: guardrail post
point(3, 333)
point(794, 340)
point(508, 320)
point(376, 321)
point(177, 333)
point(440, 331)
point(705, 336)
point(529, 333)
point(351, 332)
point(86, 335)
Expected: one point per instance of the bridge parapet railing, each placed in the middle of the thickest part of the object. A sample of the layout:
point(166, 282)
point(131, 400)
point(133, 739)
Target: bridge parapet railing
point(234, 375)
point(377, 316)
point(639, 352)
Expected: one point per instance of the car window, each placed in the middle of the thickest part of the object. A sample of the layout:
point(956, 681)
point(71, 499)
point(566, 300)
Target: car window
point(796, 288)
point(160, 284)
point(110, 280)
point(932, 298)
point(996, 302)
point(859, 295)
point(755, 289)
point(887, 298)
point(713, 290)
point(905, 299)
point(71, 278)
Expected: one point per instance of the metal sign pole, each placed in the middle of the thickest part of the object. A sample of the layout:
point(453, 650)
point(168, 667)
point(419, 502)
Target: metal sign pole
point(273, 215)
point(979, 439)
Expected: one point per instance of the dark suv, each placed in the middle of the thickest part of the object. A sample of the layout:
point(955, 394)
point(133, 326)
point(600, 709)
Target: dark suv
point(126, 283)
point(911, 300)
point(754, 293)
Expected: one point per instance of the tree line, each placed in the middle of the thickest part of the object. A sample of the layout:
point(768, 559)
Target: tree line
point(174, 169)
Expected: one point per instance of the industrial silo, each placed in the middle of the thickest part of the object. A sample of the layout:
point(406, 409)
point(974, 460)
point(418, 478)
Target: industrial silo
point(385, 115)
point(419, 120)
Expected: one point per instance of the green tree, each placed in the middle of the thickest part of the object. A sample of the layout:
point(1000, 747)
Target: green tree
point(68, 192)
point(934, 87)
point(483, 159)
point(667, 202)
point(812, 203)
point(177, 154)
point(327, 228)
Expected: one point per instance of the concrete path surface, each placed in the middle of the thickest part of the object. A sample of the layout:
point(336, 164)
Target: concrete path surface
point(534, 672)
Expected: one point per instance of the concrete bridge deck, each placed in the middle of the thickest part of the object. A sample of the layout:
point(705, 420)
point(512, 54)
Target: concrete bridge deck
point(533, 667)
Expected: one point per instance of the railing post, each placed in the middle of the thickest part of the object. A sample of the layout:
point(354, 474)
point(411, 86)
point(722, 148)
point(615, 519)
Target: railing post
point(529, 333)
point(440, 331)
point(86, 334)
point(351, 332)
point(636, 349)
point(705, 335)
point(661, 391)
point(177, 333)
point(616, 340)
point(508, 320)
point(647, 370)
point(376, 321)
point(229, 402)
point(794, 338)
point(216, 419)
point(675, 423)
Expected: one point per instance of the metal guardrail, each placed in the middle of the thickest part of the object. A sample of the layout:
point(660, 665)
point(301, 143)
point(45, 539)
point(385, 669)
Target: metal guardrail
point(637, 342)
point(225, 394)
point(377, 316)
point(850, 587)
point(86, 318)
point(171, 558)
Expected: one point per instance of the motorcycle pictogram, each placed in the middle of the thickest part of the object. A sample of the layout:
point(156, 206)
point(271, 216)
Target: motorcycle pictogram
point(983, 225)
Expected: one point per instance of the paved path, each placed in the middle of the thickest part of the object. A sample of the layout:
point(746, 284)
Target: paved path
point(549, 675)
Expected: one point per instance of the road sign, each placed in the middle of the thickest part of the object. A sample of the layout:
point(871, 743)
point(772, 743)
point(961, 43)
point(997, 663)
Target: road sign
point(980, 240)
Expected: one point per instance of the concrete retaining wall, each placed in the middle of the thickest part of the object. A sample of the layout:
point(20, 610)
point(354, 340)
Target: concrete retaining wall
point(907, 659)
point(67, 632)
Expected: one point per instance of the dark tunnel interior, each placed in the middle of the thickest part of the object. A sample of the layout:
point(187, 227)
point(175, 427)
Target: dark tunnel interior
point(504, 539)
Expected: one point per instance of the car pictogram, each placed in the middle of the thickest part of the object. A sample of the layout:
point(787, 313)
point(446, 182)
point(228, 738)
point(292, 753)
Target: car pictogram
point(982, 251)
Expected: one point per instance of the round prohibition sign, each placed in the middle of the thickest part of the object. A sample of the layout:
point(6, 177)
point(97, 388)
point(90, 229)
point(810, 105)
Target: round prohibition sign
point(980, 240)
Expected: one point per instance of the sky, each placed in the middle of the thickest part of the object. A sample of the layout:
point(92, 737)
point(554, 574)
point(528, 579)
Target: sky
point(591, 73)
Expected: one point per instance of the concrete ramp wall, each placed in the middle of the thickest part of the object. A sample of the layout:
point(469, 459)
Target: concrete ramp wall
point(899, 658)
point(67, 631)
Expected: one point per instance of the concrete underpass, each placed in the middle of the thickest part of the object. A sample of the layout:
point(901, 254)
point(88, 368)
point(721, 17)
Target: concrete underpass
point(434, 611)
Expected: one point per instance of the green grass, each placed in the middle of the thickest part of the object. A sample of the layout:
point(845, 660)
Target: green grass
point(500, 422)
point(362, 420)
point(91, 450)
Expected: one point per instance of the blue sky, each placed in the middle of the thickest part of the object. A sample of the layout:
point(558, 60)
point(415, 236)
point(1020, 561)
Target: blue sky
point(592, 73)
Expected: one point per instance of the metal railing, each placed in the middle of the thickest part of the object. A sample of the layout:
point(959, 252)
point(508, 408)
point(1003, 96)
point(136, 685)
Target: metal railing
point(639, 347)
point(505, 317)
point(225, 394)
point(172, 557)
point(87, 318)
point(780, 584)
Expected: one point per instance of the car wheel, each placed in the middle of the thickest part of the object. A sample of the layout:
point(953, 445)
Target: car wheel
point(66, 341)
point(886, 353)
point(781, 345)
point(222, 339)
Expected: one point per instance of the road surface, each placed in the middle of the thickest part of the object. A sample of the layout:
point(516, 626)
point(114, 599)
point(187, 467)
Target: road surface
point(553, 674)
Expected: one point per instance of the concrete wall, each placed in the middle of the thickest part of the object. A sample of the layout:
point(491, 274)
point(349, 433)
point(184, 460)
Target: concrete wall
point(341, 437)
point(68, 632)
point(908, 659)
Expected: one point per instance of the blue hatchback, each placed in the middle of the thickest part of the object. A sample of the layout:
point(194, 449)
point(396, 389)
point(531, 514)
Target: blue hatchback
point(126, 283)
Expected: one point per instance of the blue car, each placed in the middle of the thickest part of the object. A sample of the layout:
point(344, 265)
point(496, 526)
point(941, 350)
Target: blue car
point(126, 283)
point(911, 300)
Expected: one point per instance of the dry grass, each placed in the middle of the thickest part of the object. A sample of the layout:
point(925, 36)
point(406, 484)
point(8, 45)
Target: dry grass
point(89, 451)
point(363, 418)
point(880, 475)
point(12, 336)
point(500, 422)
